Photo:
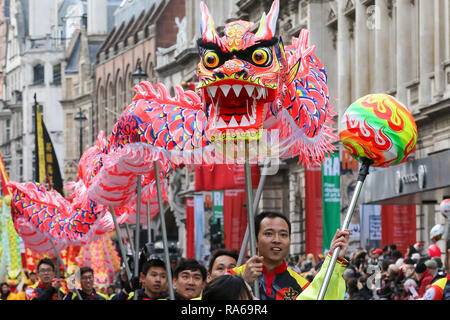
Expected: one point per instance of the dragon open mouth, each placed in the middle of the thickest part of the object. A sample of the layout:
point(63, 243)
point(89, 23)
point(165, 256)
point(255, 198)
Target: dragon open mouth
point(238, 105)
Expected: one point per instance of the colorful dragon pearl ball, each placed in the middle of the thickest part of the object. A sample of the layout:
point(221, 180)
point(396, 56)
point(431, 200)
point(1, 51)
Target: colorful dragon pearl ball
point(380, 128)
point(445, 208)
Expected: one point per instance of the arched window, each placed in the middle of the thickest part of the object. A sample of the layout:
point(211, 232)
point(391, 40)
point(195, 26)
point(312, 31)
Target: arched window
point(149, 68)
point(130, 88)
point(102, 111)
point(150, 72)
point(120, 96)
point(96, 112)
point(111, 116)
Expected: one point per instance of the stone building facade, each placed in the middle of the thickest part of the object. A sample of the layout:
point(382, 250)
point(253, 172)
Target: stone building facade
point(143, 26)
point(399, 47)
point(33, 69)
point(78, 76)
point(4, 16)
point(32, 65)
point(131, 42)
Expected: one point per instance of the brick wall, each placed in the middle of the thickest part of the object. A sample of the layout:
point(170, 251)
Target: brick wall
point(166, 28)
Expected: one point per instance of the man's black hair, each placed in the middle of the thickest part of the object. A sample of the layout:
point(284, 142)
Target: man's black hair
point(396, 255)
point(438, 261)
point(191, 265)
point(385, 265)
point(268, 214)
point(227, 287)
point(221, 252)
point(84, 270)
point(46, 261)
point(153, 263)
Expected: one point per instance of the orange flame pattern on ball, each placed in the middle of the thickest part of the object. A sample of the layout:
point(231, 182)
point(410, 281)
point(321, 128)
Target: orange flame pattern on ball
point(380, 128)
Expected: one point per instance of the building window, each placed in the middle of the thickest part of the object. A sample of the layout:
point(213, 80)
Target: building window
point(7, 10)
point(38, 74)
point(20, 169)
point(8, 131)
point(57, 74)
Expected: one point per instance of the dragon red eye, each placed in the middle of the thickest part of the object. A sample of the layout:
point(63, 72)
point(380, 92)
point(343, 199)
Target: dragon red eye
point(211, 59)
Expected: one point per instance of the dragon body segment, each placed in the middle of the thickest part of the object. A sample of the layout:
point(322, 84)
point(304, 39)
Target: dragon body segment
point(248, 83)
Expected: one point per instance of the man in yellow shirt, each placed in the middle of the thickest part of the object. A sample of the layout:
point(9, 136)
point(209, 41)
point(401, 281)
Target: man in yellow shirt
point(276, 281)
point(48, 287)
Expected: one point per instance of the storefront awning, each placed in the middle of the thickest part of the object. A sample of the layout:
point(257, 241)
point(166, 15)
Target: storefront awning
point(420, 181)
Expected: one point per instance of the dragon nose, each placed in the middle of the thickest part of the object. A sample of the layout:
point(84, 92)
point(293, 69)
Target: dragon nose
point(232, 66)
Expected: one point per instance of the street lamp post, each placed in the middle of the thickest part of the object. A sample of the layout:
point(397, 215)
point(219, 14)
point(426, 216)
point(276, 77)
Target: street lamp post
point(81, 117)
point(139, 74)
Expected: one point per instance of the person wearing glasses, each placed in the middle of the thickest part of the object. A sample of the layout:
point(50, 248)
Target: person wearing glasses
point(48, 287)
point(87, 290)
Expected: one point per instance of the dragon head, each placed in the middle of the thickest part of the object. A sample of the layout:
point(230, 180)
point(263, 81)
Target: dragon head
point(240, 73)
point(250, 83)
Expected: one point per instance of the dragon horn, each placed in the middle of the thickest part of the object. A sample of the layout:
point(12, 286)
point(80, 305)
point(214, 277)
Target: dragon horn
point(207, 28)
point(268, 24)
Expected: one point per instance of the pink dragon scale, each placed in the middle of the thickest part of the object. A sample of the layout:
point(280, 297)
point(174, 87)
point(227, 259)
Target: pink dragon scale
point(250, 86)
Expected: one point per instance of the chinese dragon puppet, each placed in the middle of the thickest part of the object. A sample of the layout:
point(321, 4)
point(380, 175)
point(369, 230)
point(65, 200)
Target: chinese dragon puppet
point(249, 84)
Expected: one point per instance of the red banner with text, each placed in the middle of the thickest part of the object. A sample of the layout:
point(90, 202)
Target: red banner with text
point(235, 218)
point(190, 224)
point(223, 176)
point(313, 209)
point(398, 226)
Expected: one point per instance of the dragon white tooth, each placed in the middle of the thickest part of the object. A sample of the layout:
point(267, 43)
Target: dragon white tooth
point(249, 89)
point(221, 123)
point(265, 93)
point(233, 122)
point(260, 92)
point(225, 89)
point(244, 121)
point(212, 91)
point(237, 89)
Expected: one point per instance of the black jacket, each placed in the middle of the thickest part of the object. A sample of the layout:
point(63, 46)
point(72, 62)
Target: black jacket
point(93, 296)
point(141, 295)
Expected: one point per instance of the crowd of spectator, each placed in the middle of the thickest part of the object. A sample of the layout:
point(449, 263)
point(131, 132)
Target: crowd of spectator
point(382, 273)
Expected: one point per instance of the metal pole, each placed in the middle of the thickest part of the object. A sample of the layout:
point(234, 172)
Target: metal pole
point(164, 230)
point(262, 180)
point(250, 216)
point(138, 230)
point(127, 229)
point(149, 231)
point(81, 137)
point(58, 276)
point(122, 248)
point(363, 172)
point(64, 266)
